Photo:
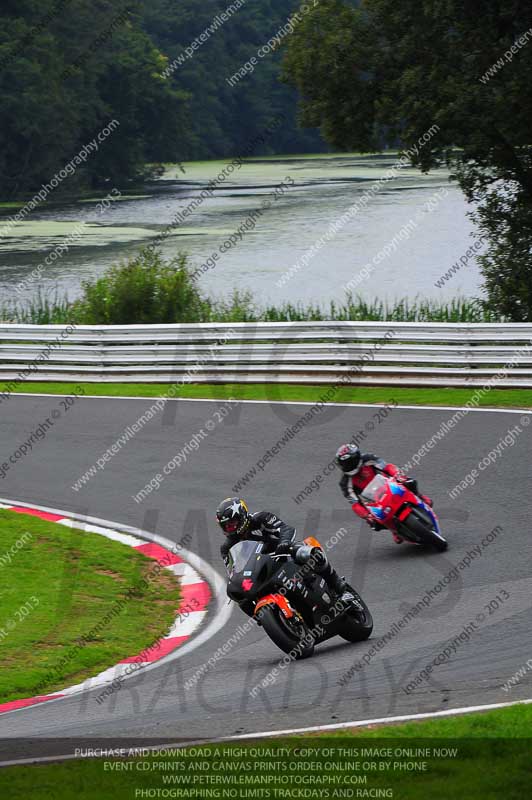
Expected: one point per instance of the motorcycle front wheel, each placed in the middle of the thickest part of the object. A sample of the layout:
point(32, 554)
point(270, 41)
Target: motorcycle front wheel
point(357, 625)
point(416, 527)
point(292, 638)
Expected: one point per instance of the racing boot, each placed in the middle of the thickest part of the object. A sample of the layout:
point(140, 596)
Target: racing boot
point(338, 585)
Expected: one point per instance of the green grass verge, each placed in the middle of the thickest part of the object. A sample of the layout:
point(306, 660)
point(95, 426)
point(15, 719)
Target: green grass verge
point(513, 722)
point(492, 762)
point(497, 398)
point(79, 583)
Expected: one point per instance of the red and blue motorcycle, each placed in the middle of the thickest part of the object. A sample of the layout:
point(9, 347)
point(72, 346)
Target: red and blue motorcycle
point(404, 513)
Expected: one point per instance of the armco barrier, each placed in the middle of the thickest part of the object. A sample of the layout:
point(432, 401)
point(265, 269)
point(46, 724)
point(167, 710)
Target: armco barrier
point(374, 353)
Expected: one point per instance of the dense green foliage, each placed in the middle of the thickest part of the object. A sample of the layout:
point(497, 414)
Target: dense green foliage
point(60, 86)
point(223, 119)
point(149, 290)
point(69, 67)
point(388, 72)
point(142, 290)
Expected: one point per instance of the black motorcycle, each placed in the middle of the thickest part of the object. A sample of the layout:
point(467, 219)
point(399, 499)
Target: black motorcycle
point(292, 603)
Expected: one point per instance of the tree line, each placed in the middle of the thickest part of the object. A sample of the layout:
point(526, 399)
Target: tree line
point(68, 67)
point(385, 73)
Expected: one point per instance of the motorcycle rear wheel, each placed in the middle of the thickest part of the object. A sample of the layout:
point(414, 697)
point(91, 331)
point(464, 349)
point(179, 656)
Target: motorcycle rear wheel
point(281, 633)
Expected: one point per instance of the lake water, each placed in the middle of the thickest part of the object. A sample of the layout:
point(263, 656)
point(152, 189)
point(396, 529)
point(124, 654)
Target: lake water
point(317, 192)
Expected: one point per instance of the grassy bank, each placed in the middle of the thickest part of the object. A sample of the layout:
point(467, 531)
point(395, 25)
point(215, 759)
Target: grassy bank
point(492, 760)
point(60, 584)
point(497, 398)
point(241, 307)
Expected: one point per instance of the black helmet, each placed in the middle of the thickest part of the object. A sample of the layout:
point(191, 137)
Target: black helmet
point(233, 516)
point(349, 458)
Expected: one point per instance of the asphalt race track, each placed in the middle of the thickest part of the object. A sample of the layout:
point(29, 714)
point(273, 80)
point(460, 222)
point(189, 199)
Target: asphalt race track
point(391, 578)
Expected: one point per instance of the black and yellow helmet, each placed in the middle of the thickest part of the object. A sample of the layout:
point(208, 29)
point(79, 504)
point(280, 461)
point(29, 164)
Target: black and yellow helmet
point(233, 516)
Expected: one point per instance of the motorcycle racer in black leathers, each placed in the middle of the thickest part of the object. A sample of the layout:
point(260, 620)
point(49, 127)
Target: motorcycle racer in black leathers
point(238, 524)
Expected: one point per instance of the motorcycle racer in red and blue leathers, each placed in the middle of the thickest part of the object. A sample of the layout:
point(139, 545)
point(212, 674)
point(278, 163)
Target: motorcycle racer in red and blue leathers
point(359, 469)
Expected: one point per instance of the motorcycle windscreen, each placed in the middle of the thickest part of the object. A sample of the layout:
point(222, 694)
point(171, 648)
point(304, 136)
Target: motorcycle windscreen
point(240, 554)
point(374, 491)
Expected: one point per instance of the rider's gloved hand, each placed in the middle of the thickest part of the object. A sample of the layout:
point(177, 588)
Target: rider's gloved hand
point(283, 549)
point(408, 483)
